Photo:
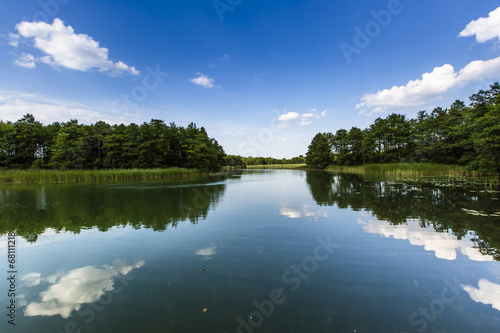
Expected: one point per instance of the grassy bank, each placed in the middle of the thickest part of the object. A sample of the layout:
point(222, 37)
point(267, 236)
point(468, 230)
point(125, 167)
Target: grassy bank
point(71, 176)
point(407, 170)
point(275, 166)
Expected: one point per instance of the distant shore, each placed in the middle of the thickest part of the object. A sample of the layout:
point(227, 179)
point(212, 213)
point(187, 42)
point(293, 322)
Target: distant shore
point(276, 166)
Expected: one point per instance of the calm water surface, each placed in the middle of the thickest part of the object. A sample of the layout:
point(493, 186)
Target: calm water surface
point(257, 251)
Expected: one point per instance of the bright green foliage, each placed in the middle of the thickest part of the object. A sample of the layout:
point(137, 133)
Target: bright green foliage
point(319, 153)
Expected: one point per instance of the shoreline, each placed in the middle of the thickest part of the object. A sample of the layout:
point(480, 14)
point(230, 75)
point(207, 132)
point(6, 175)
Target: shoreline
point(95, 176)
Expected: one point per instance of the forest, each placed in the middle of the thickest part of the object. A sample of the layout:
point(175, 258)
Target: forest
point(458, 135)
point(241, 161)
point(27, 143)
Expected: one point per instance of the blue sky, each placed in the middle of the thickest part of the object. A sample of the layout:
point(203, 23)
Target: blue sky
point(263, 77)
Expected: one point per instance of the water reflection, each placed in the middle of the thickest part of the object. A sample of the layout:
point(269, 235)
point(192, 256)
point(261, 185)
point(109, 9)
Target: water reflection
point(444, 245)
point(429, 205)
point(303, 211)
point(76, 207)
point(69, 290)
point(207, 253)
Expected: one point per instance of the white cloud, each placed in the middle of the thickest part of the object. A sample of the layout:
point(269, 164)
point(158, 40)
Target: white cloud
point(314, 109)
point(429, 88)
point(323, 114)
point(289, 116)
point(14, 105)
point(25, 60)
point(203, 80)
point(442, 79)
point(13, 39)
point(480, 69)
point(484, 28)
point(224, 57)
point(64, 48)
point(487, 293)
point(304, 119)
point(72, 289)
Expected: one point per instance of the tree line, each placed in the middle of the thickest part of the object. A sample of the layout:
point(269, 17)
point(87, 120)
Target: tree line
point(27, 143)
point(240, 161)
point(461, 135)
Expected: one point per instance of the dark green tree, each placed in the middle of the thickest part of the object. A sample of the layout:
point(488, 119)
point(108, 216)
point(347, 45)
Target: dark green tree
point(319, 153)
point(24, 141)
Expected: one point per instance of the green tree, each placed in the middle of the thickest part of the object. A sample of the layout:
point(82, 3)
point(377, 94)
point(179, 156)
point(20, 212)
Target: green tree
point(319, 153)
point(24, 141)
point(486, 140)
point(355, 143)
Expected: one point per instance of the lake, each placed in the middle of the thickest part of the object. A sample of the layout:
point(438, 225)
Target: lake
point(253, 251)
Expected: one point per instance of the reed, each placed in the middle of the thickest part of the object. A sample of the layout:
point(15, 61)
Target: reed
point(408, 170)
point(71, 176)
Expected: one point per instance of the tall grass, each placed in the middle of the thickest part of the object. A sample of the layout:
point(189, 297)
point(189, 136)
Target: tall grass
point(70, 176)
point(408, 170)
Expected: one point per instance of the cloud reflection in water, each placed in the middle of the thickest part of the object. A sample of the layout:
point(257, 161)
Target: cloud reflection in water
point(444, 245)
point(71, 289)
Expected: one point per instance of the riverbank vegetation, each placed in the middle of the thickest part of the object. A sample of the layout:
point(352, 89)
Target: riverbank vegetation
point(28, 144)
point(407, 169)
point(461, 135)
point(70, 176)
